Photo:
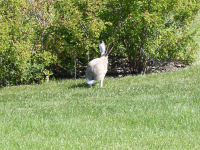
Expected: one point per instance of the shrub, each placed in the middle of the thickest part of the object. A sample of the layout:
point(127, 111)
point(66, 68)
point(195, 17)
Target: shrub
point(152, 30)
point(22, 60)
point(41, 38)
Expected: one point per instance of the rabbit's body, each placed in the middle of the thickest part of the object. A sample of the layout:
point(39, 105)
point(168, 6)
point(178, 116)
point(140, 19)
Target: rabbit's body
point(97, 68)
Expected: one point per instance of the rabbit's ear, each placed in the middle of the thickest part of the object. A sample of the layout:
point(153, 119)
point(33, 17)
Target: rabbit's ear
point(109, 49)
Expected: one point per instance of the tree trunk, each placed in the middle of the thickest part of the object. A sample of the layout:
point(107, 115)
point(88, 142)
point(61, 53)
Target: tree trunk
point(75, 69)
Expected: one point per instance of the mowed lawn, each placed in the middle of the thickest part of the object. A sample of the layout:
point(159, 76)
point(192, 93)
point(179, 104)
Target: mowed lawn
point(157, 111)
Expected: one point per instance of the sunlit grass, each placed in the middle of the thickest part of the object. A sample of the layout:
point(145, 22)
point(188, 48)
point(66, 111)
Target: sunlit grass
point(157, 111)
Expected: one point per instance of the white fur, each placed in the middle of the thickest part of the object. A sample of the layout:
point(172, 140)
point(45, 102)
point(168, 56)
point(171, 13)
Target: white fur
point(90, 82)
point(102, 48)
point(97, 68)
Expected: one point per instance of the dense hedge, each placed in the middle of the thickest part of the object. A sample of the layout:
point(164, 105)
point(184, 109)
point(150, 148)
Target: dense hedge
point(47, 38)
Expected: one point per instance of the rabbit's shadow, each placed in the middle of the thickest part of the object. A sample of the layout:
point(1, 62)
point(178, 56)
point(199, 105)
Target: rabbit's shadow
point(83, 85)
point(80, 85)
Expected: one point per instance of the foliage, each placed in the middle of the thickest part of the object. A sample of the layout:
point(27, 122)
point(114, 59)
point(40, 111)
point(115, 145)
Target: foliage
point(23, 60)
point(44, 38)
point(152, 30)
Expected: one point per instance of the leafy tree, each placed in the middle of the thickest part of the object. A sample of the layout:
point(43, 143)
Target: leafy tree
point(75, 33)
point(44, 38)
point(21, 56)
point(151, 30)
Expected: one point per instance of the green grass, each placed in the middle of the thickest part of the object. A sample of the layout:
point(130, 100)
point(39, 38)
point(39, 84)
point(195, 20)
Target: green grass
point(157, 111)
